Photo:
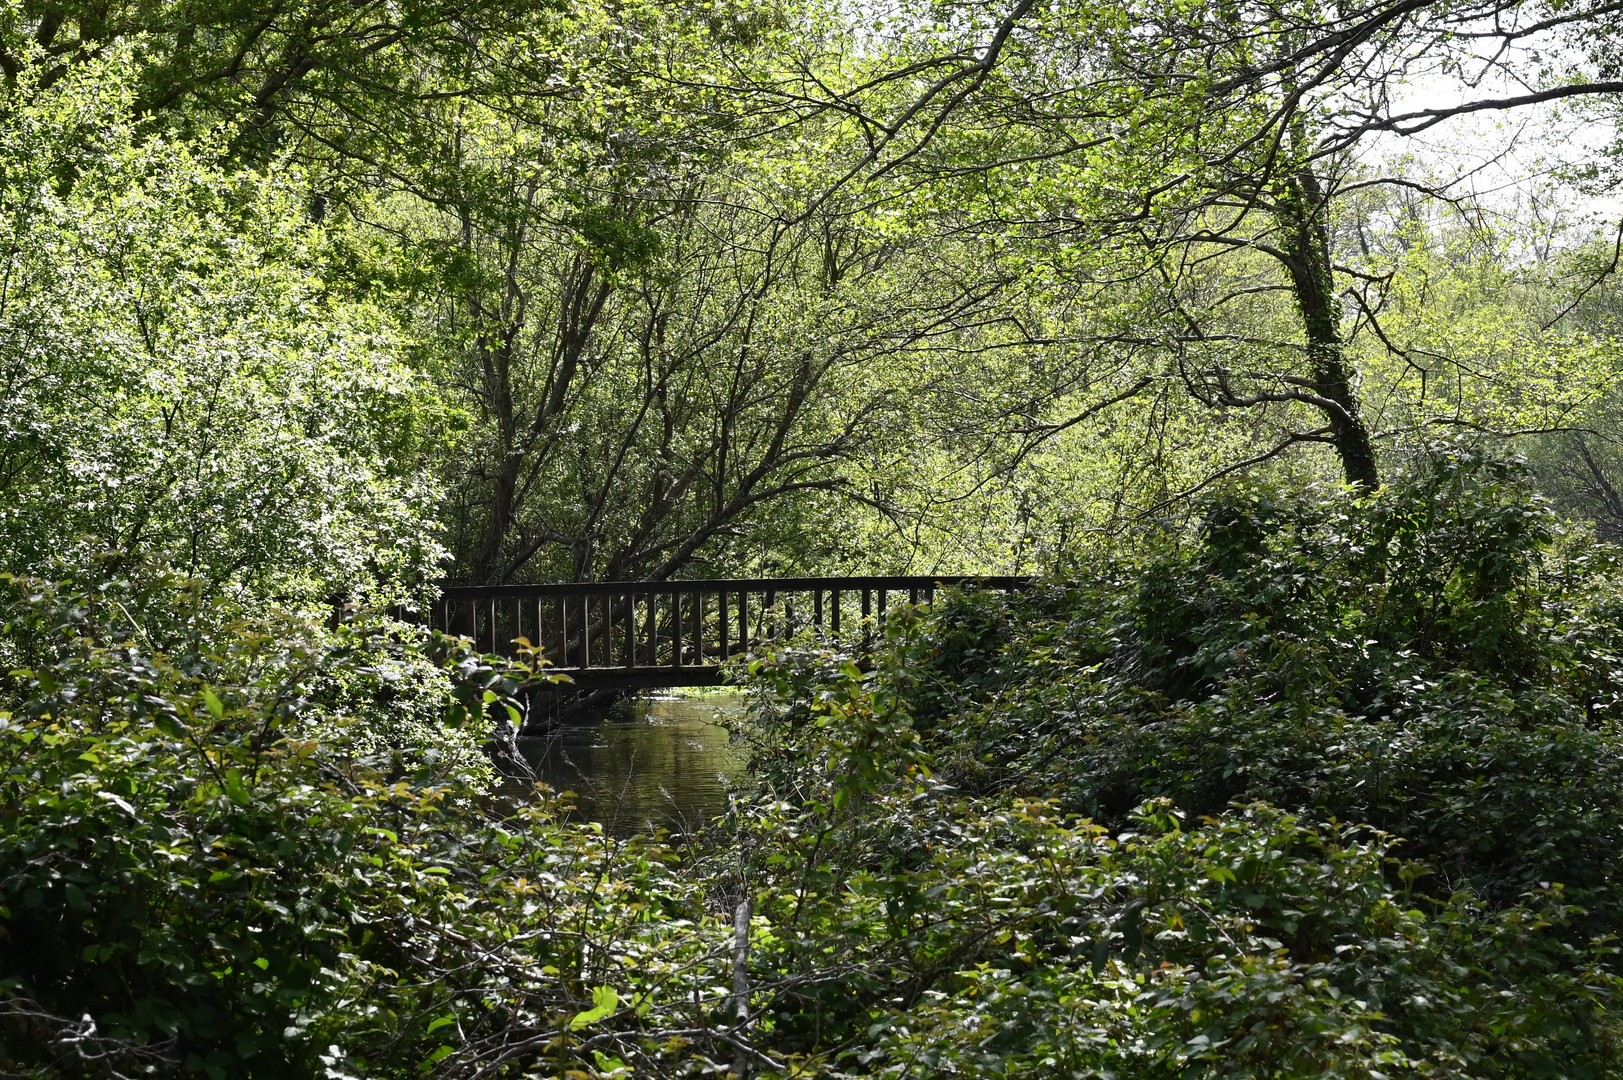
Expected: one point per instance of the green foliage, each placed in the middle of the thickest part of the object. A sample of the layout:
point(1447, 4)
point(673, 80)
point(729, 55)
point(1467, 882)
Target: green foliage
point(182, 390)
point(615, 241)
point(816, 701)
point(1426, 660)
point(991, 940)
point(209, 853)
point(1432, 660)
point(204, 856)
point(291, 295)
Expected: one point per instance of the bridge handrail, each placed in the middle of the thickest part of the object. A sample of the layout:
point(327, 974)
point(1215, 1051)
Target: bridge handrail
point(670, 633)
point(709, 585)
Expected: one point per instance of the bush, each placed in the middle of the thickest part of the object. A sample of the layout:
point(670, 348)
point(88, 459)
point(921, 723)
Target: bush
point(929, 935)
point(1437, 663)
point(1328, 792)
point(208, 868)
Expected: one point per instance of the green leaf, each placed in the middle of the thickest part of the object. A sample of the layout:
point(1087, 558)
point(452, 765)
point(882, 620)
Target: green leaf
point(604, 1002)
point(212, 704)
point(235, 789)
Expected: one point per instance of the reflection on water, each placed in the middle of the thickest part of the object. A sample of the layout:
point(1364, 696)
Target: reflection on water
point(658, 762)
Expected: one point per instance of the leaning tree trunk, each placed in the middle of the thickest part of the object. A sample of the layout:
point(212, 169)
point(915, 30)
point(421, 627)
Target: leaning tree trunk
point(1301, 213)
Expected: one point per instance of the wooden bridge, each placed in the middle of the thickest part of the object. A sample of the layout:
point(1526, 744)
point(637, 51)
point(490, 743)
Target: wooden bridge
point(639, 634)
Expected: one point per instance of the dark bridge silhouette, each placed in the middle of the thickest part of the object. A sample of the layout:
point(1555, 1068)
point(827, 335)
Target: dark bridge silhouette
point(637, 634)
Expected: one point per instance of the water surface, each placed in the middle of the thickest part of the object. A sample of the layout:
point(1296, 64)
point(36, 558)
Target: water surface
point(656, 762)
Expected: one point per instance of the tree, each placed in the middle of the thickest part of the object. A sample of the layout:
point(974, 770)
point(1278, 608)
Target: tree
point(345, 75)
point(1187, 139)
point(662, 379)
point(182, 391)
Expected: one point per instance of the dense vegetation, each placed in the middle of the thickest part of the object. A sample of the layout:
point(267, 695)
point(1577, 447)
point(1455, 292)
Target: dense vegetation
point(1327, 792)
point(1297, 387)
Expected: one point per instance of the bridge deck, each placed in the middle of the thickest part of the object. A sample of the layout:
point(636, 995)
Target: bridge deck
point(644, 634)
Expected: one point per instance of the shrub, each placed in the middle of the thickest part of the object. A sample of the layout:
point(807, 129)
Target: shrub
point(1437, 663)
point(208, 867)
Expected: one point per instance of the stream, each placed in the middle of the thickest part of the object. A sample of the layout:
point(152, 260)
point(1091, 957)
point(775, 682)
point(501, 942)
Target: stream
point(657, 761)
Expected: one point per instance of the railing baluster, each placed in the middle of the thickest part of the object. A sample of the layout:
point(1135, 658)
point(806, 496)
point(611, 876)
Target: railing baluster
point(631, 630)
point(651, 627)
point(817, 609)
point(743, 621)
point(586, 631)
point(834, 602)
point(724, 621)
point(676, 629)
point(698, 629)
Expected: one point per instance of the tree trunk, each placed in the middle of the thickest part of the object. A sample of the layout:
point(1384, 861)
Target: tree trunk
point(585, 291)
point(1301, 214)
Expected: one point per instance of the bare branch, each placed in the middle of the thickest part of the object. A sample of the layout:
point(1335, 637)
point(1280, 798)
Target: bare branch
point(1611, 268)
point(1412, 123)
point(1321, 435)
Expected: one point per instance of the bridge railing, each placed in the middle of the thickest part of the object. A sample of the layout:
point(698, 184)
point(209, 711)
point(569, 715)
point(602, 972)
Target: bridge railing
point(678, 632)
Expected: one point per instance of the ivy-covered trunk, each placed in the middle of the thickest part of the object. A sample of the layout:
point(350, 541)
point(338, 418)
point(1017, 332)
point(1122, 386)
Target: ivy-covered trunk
point(1301, 212)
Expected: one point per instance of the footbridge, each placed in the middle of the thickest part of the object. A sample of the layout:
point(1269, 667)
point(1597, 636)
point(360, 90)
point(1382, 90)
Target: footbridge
point(645, 634)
